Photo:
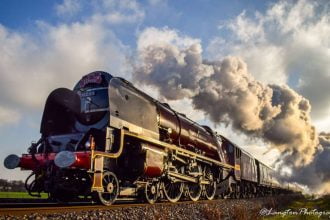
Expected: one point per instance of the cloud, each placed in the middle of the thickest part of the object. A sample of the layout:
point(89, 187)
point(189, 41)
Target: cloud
point(289, 43)
point(118, 12)
point(157, 2)
point(164, 36)
point(108, 12)
point(34, 63)
point(8, 116)
point(55, 56)
point(68, 8)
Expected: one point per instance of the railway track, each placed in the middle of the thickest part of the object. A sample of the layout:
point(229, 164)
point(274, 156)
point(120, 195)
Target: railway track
point(20, 209)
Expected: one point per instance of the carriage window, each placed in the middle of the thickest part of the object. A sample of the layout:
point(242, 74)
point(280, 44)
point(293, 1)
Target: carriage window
point(238, 153)
point(230, 148)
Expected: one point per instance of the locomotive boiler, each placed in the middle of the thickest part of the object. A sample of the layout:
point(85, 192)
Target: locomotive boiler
point(107, 140)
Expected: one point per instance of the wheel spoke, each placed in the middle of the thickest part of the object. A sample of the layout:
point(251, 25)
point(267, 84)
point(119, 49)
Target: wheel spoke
point(172, 191)
point(194, 191)
point(106, 197)
point(210, 188)
point(151, 192)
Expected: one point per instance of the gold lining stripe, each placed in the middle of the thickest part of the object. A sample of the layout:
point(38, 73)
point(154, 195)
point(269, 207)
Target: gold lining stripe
point(237, 167)
point(174, 147)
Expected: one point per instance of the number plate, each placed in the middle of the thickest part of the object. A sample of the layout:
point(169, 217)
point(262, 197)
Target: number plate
point(87, 94)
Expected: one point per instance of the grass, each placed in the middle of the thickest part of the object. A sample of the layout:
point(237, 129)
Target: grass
point(304, 208)
point(20, 195)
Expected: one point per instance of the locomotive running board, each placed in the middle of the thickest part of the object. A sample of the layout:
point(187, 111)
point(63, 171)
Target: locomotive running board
point(187, 178)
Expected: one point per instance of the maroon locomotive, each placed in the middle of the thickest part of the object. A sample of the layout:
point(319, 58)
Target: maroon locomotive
point(108, 140)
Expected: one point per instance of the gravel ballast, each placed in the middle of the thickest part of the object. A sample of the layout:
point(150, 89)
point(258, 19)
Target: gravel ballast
point(218, 209)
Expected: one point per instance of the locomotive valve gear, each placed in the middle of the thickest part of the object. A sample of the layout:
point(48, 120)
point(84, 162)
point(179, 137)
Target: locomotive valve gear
point(173, 189)
point(195, 189)
point(210, 189)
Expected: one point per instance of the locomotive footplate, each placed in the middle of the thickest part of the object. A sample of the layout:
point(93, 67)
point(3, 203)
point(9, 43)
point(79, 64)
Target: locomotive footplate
point(128, 191)
point(188, 178)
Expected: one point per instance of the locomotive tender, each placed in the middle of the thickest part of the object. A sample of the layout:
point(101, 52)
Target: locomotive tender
point(109, 140)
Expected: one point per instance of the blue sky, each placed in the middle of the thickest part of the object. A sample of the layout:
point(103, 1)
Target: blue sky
point(194, 18)
point(50, 44)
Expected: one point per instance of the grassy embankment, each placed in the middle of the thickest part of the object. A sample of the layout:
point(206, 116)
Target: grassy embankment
point(308, 207)
point(20, 195)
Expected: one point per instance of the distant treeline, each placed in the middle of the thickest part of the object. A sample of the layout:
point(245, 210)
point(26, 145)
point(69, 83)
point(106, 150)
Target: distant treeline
point(12, 186)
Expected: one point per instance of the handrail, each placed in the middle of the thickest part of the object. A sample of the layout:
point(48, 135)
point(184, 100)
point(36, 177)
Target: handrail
point(111, 155)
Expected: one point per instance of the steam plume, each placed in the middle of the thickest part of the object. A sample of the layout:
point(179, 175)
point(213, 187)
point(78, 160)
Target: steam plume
point(227, 93)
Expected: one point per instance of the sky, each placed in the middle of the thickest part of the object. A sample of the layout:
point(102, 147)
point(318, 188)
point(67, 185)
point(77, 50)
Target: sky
point(49, 44)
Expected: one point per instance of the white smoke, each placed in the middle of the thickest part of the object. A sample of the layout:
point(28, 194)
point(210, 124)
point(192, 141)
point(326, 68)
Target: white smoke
point(227, 93)
point(316, 175)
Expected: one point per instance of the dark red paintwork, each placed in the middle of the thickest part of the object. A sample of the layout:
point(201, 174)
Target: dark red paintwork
point(28, 163)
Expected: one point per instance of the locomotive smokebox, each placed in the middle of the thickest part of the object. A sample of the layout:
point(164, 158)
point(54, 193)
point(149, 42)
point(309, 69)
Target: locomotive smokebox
point(12, 161)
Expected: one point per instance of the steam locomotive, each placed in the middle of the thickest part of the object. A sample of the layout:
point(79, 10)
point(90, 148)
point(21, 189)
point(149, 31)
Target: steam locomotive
point(107, 140)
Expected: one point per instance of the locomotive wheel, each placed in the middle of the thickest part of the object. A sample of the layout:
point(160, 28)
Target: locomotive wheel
point(172, 190)
point(152, 192)
point(242, 194)
point(236, 192)
point(194, 191)
point(211, 188)
point(110, 187)
point(34, 184)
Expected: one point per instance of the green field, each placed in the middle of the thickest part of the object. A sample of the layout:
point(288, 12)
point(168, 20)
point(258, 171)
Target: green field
point(22, 195)
point(304, 208)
